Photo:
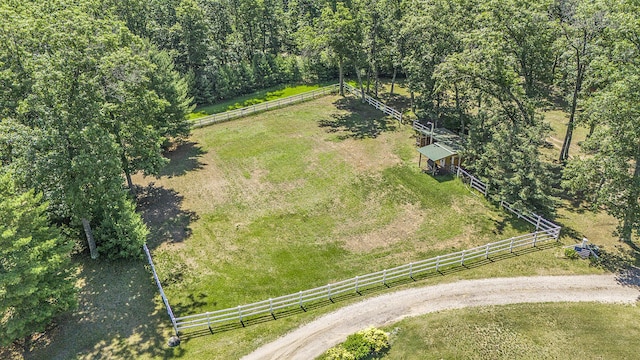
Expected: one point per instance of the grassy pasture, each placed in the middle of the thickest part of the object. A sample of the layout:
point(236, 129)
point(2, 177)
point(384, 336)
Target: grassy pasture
point(297, 198)
point(521, 331)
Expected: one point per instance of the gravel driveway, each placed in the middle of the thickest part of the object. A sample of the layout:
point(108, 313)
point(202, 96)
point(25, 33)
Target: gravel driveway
point(312, 339)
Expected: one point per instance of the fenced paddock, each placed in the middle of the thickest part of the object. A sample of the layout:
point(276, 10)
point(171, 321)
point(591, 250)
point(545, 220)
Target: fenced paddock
point(264, 106)
point(545, 231)
point(274, 104)
point(359, 283)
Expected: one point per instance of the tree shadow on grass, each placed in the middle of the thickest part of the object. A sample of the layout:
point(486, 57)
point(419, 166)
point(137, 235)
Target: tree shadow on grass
point(360, 121)
point(161, 210)
point(183, 158)
point(119, 315)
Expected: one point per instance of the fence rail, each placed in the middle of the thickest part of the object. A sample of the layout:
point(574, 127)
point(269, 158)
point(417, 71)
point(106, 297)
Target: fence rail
point(359, 283)
point(474, 182)
point(164, 297)
point(267, 105)
point(534, 219)
point(375, 103)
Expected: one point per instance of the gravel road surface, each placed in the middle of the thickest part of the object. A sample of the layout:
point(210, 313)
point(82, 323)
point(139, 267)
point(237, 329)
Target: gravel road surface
point(314, 338)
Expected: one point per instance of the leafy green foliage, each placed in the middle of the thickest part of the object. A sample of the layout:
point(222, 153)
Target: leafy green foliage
point(571, 253)
point(609, 174)
point(36, 279)
point(96, 102)
point(362, 345)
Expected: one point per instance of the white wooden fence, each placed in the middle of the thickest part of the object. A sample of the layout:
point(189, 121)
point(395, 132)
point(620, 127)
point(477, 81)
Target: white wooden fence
point(473, 181)
point(375, 103)
point(359, 283)
point(162, 295)
point(264, 106)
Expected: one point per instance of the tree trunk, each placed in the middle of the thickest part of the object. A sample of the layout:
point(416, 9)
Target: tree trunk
point(393, 79)
point(592, 128)
point(369, 81)
point(127, 173)
point(90, 240)
point(459, 109)
point(413, 102)
point(375, 80)
point(341, 77)
point(360, 82)
point(632, 202)
point(564, 153)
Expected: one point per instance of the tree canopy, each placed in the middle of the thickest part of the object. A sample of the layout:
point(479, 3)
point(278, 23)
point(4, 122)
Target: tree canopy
point(36, 278)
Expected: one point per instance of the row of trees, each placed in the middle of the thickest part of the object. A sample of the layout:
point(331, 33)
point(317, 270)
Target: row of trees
point(85, 103)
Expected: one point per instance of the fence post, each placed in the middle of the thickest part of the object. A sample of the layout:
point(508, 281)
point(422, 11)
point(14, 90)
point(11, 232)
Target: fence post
point(271, 308)
point(511, 246)
point(300, 301)
point(240, 315)
point(437, 262)
point(357, 280)
point(486, 253)
point(462, 258)
point(329, 292)
point(384, 277)
point(411, 271)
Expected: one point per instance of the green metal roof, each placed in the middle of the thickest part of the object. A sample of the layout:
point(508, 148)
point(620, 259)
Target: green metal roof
point(437, 151)
point(444, 136)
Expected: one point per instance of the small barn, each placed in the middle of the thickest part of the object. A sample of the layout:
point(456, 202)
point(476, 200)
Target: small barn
point(439, 149)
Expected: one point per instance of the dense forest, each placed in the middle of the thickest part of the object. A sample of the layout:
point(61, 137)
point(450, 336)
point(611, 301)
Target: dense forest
point(93, 91)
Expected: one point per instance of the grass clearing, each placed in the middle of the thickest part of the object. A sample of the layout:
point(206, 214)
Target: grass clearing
point(312, 194)
point(272, 93)
point(522, 331)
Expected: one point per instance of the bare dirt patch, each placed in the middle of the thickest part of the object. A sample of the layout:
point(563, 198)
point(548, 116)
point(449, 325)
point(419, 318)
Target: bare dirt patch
point(401, 228)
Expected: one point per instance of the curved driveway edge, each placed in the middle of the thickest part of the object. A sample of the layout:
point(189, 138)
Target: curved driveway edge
point(311, 340)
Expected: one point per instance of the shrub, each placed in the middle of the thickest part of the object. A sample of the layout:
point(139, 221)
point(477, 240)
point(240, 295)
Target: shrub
point(571, 253)
point(338, 353)
point(360, 345)
point(377, 339)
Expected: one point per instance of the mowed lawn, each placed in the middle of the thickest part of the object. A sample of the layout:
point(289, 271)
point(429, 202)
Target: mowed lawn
point(521, 331)
point(300, 197)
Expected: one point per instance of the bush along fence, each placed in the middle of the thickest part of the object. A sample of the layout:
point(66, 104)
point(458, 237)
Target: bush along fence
point(375, 103)
point(264, 106)
point(545, 231)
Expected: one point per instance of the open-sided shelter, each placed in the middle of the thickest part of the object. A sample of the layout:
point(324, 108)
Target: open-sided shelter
point(438, 147)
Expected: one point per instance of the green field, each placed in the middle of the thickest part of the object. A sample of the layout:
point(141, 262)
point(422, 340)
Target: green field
point(522, 331)
point(275, 203)
point(273, 93)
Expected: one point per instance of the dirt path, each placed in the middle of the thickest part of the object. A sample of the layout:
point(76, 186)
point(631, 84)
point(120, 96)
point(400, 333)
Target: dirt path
point(311, 340)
